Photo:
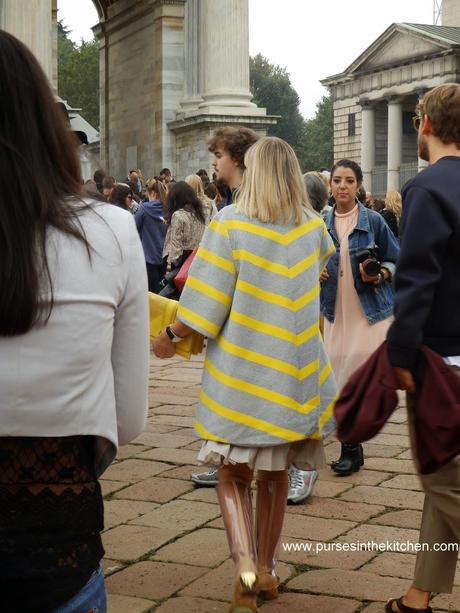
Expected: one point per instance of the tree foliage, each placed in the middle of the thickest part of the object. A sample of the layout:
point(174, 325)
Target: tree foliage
point(312, 139)
point(319, 137)
point(271, 88)
point(78, 74)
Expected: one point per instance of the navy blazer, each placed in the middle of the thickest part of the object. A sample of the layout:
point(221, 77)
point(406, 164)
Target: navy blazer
point(369, 398)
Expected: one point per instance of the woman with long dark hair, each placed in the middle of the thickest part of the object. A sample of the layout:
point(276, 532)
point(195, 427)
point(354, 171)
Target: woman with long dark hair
point(186, 222)
point(356, 292)
point(73, 351)
point(123, 196)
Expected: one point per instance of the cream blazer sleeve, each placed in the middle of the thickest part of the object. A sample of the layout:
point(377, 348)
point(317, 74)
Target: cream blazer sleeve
point(130, 347)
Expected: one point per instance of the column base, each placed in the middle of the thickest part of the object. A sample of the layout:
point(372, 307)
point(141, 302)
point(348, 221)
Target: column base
point(191, 132)
point(393, 180)
point(229, 99)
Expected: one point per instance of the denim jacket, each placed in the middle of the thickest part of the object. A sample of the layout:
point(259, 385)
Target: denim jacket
point(376, 302)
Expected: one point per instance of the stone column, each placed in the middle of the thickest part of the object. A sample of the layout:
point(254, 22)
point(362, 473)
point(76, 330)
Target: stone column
point(421, 164)
point(32, 23)
point(367, 143)
point(450, 13)
point(193, 86)
point(394, 143)
point(224, 54)
point(217, 81)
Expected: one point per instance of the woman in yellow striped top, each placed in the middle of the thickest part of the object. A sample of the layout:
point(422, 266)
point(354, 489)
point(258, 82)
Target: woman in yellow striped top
point(268, 390)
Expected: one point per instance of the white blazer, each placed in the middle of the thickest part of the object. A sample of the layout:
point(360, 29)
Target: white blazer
point(86, 370)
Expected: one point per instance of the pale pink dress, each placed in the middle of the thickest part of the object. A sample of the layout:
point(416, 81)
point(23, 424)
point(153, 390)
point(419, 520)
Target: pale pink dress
point(351, 339)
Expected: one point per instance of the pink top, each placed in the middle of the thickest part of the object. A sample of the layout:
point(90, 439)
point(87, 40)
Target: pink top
point(351, 339)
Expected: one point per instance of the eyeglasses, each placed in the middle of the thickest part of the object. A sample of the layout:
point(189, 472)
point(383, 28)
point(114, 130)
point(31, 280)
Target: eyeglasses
point(416, 121)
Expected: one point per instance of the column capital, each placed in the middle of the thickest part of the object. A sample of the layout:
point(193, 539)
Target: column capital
point(365, 104)
point(394, 99)
point(420, 92)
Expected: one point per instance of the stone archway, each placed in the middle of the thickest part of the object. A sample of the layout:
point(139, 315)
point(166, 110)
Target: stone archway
point(170, 72)
point(167, 80)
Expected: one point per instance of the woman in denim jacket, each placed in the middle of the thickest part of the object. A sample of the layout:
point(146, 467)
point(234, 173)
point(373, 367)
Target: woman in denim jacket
point(356, 301)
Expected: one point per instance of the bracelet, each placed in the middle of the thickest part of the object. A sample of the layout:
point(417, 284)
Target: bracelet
point(172, 336)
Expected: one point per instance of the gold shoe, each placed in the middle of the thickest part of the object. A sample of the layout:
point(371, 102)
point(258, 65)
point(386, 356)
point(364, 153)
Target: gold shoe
point(267, 586)
point(247, 576)
point(244, 603)
point(245, 594)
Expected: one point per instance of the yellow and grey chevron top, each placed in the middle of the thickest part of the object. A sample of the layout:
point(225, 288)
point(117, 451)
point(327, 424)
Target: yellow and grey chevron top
point(253, 290)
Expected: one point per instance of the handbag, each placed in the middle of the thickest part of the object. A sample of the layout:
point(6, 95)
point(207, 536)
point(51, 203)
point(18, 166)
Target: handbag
point(181, 277)
point(162, 313)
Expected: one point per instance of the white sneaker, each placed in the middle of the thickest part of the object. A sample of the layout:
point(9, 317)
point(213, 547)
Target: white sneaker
point(301, 483)
point(210, 478)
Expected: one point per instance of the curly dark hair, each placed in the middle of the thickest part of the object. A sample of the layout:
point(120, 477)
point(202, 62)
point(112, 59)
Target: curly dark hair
point(236, 141)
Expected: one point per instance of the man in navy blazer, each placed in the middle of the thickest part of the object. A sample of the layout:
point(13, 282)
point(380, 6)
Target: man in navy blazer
point(427, 311)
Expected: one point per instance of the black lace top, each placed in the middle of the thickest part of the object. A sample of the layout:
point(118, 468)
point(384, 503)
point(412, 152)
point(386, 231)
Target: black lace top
point(51, 516)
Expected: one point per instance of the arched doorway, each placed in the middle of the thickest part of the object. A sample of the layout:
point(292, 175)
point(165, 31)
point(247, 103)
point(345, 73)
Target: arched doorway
point(166, 80)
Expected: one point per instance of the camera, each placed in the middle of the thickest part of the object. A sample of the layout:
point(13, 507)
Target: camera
point(369, 259)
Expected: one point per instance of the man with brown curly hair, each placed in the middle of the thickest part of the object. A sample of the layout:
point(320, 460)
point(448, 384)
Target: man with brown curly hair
point(229, 146)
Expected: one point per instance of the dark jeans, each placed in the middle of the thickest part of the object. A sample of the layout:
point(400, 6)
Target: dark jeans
point(155, 273)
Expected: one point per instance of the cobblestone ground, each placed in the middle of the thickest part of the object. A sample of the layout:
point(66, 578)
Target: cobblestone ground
point(166, 550)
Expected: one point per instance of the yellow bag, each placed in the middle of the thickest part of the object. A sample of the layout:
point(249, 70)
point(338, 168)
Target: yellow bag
point(162, 313)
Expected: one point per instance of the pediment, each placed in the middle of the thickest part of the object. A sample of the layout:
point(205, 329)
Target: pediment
point(396, 46)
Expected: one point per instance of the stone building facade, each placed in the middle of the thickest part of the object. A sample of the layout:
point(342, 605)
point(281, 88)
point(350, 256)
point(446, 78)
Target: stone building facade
point(170, 72)
point(375, 97)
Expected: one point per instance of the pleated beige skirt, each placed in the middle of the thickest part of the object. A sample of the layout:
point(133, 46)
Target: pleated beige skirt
point(307, 454)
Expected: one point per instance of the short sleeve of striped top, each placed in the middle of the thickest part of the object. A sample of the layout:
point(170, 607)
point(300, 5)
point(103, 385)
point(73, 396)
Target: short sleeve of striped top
point(207, 296)
point(327, 247)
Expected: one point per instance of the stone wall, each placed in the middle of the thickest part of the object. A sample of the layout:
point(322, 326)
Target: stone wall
point(347, 146)
point(450, 15)
point(142, 82)
point(33, 22)
point(191, 137)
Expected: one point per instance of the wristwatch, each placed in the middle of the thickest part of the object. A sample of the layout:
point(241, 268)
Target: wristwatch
point(173, 337)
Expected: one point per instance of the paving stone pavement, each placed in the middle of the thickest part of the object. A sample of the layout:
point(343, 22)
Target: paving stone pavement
point(166, 550)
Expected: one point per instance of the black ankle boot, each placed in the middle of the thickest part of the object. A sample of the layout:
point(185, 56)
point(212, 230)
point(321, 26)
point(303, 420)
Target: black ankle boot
point(350, 461)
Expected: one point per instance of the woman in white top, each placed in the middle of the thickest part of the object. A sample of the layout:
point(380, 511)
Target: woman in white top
point(73, 350)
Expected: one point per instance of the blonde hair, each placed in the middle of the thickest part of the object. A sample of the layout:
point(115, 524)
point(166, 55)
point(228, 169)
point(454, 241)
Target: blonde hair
point(320, 175)
point(197, 184)
point(393, 203)
point(272, 190)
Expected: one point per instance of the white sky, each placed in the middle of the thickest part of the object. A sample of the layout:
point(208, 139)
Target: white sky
point(311, 39)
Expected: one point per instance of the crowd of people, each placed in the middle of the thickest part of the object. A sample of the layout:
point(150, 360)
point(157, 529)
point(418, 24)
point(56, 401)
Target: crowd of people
point(296, 280)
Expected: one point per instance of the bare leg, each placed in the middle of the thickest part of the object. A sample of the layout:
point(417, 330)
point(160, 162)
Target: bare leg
point(272, 491)
point(234, 494)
